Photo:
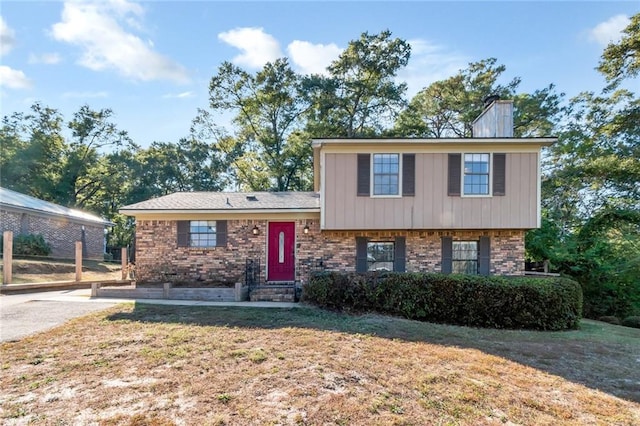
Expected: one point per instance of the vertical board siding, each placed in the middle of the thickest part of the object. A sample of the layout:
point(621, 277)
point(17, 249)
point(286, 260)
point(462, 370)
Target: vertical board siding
point(431, 207)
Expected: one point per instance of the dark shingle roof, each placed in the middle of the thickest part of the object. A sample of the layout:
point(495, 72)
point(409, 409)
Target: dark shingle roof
point(228, 202)
point(20, 201)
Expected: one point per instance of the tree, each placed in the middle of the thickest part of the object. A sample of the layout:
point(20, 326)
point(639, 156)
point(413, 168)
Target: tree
point(448, 108)
point(86, 169)
point(268, 149)
point(359, 97)
point(32, 152)
point(591, 190)
point(622, 60)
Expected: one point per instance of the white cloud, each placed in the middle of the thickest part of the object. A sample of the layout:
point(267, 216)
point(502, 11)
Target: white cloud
point(312, 58)
point(45, 58)
point(84, 95)
point(7, 38)
point(182, 95)
point(101, 30)
point(609, 31)
point(429, 63)
point(13, 79)
point(257, 47)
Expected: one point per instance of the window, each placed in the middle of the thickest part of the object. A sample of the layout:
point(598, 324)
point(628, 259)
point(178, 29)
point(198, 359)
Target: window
point(473, 179)
point(202, 233)
point(465, 257)
point(386, 174)
point(380, 256)
point(476, 174)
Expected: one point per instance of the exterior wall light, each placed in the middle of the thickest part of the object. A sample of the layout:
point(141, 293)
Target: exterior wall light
point(306, 229)
point(255, 230)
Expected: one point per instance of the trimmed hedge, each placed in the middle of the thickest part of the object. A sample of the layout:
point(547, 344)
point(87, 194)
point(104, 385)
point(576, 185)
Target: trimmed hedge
point(471, 300)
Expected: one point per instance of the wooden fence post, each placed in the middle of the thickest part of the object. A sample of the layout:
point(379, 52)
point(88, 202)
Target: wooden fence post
point(78, 260)
point(124, 261)
point(7, 257)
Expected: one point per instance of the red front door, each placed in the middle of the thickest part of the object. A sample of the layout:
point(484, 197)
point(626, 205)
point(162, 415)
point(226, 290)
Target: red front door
point(280, 251)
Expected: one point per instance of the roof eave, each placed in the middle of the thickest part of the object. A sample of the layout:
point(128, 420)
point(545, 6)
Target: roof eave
point(134, 212)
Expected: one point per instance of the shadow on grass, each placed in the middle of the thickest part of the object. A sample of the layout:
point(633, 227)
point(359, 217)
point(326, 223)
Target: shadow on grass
point(600, 356)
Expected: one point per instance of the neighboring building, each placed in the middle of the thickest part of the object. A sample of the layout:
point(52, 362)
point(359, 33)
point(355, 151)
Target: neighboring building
point(432, 205)
point(60, 226)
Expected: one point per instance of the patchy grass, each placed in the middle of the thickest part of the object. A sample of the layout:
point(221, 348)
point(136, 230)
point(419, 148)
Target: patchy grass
point(35, 271)
point(165, 365)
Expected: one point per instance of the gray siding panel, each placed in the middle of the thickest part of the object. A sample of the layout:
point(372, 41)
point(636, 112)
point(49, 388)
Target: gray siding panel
point(431, 207)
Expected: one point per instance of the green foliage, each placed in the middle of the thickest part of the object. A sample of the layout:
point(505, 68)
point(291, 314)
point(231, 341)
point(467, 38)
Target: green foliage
point(622, 59)
point(498, 302)
point(447, 108)
point(360, 95)
point(268, 149)
point(610, 319)
point(29, 245)
point(631, 322)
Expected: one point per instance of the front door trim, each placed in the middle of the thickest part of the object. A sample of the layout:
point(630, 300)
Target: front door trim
point(281, 249)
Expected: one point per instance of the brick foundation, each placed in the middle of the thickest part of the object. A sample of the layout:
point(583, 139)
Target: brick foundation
point(60, 233)
point(158, 259)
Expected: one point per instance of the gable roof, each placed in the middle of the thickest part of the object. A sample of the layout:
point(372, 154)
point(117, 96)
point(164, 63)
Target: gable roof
point(228, 202)
point(27, 203)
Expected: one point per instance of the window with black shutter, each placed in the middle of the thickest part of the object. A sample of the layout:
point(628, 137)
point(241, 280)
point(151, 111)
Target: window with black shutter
point(202, 233)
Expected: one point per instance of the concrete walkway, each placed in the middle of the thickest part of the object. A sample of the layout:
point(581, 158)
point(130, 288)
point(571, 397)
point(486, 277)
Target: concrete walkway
point(24, 314)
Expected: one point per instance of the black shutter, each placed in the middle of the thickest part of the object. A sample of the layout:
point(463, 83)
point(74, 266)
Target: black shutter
point(361, 254)
point(499, 171)
point(454, 175)
point(447, 255)
point(399, 255)
point(183, 233)
point(221, 233)
point(484, 256)
point(409, 175)
point(364, 175)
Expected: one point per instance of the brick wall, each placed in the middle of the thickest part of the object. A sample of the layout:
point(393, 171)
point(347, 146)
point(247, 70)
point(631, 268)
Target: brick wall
point(158, 259)
point(59, 233)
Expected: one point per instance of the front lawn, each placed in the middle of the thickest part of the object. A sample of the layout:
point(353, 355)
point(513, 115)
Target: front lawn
point(161, 365)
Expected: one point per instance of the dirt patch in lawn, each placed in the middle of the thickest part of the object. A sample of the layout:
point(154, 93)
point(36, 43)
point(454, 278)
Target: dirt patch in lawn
point(164, 365)
point(34, 271)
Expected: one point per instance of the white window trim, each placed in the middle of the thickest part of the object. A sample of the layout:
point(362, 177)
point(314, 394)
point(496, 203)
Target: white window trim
point(372, 174)
point(490, 194)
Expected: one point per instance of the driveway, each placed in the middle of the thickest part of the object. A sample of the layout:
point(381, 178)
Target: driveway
point(29, 313)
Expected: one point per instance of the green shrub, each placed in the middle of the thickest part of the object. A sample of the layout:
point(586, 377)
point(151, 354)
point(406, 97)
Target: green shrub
point(30, 245)
point(631, 322)
point(610, 319)
point(499, 302)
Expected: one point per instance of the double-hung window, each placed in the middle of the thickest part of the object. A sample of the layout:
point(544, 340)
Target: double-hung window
point(380, 256)
point(386, 174)
point(476, 174)
point(465, 257)
point(202, 233)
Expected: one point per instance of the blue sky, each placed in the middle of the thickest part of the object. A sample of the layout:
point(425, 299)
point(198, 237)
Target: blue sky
point(151, 62)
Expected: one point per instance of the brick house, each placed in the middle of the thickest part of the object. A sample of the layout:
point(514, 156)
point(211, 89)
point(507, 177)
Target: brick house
point(60, 226)
point(432, 205)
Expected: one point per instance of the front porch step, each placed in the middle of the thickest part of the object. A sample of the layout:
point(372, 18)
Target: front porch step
point(273, 293)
